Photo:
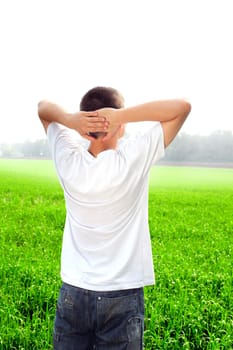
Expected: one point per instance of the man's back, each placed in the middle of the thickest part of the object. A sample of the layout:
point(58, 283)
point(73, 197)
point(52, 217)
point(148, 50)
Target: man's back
point(106, 244)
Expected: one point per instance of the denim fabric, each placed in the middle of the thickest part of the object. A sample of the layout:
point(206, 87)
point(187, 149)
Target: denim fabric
point(87, 320)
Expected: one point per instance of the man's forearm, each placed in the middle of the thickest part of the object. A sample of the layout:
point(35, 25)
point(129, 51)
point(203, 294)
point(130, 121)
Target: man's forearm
point(51, 112)
point(83, 122)
point(161, 111)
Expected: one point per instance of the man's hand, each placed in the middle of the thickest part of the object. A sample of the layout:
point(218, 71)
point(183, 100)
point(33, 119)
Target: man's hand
point(82, 122)
point(86, 122)
point(114, 125)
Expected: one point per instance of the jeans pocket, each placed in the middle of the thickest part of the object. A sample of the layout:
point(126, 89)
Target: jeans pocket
point(69, 313)
point(66, 299)
point(113, 315)
point(65, 302)
point(135, 328)
point(113, 306)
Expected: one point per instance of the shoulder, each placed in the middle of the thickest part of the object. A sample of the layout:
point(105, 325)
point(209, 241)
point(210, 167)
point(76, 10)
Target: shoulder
point(146, 146)
point(148, 131)
point(62, 138)
point(56, 130)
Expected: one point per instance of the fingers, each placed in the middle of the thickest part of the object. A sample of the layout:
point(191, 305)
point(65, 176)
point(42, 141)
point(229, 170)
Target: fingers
point(97, 124)
point(90, 114)
point(97, 128)
point(92, 122)
point(96, 119)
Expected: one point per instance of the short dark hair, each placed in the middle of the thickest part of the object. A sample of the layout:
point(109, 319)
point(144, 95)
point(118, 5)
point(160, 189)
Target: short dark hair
point(101, 97)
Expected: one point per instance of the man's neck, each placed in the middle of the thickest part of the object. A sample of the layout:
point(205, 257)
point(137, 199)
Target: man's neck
point(98, 146)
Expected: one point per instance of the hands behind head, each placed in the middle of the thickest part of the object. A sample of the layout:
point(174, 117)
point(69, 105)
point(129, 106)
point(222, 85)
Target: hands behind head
point(86, 122)
point(113, 124)
point(102, 120)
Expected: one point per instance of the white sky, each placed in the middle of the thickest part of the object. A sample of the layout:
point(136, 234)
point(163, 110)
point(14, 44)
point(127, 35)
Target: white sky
point(148, 49)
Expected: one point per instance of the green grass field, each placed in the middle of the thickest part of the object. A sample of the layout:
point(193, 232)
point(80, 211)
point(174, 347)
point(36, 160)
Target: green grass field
point(191, 221)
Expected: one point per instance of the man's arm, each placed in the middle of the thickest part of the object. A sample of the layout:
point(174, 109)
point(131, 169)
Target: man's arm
point(82, 122)
point(171, 114)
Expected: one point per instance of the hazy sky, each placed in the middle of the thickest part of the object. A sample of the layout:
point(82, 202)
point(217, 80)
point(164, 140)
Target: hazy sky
point(148, 49)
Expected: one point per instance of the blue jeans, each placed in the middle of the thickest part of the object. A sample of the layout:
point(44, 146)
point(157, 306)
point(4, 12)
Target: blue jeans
point(88, 320)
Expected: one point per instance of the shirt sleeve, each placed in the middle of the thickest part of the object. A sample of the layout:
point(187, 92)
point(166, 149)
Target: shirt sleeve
point(64, 147)
point(145, 150)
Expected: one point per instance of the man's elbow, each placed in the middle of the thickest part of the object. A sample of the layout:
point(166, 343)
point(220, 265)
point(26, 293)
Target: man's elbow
point(186, 108)
point(41, 103)
point(183, 111)
point(42, 108)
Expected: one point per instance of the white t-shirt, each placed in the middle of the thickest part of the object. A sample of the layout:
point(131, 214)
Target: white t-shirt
point(106, 241)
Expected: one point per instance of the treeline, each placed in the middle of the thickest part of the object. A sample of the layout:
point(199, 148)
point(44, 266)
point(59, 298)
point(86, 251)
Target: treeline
point(214, 148)
point(26, 149)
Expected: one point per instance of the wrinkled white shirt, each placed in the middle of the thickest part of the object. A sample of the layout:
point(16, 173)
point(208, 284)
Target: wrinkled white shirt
point(106, 242)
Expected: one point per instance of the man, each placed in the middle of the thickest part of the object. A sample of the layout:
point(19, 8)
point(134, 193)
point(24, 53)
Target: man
point(106, 253)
